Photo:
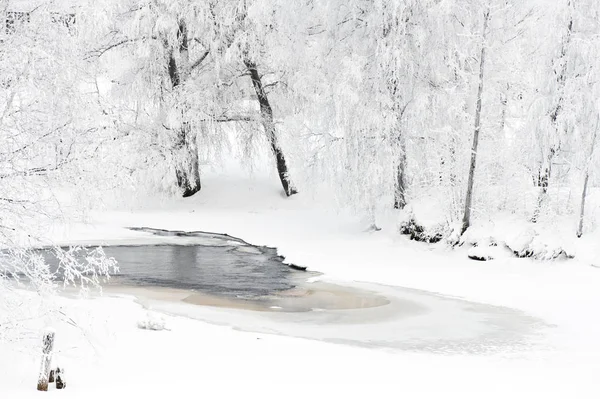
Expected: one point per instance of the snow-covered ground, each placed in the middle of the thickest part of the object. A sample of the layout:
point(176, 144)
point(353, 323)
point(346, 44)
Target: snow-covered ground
point(107, 354)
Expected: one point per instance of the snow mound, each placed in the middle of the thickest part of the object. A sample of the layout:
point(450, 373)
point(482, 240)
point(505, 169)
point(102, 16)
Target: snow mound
point(523, 239)
point(152, 322)
point(488, 249)
point(520, 240)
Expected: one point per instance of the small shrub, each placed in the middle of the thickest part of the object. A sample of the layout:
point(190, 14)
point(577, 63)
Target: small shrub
point(417, 232)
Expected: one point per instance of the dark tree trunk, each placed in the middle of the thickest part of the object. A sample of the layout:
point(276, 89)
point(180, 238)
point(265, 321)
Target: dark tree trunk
point(266, 113)
point(173, 71)
point(186, 153)
point(186, 167)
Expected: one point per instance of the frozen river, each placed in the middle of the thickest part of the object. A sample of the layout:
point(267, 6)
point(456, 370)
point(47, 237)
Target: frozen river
point(251, 288)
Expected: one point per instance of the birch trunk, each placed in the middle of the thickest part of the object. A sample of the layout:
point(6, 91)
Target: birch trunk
point(400, 194)
point(585, 180)
point(466, 222)
point(582, 209)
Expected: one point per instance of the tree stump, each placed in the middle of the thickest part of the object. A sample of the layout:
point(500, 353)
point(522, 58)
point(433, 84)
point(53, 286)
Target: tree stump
point(47, 347)
point(60, 378)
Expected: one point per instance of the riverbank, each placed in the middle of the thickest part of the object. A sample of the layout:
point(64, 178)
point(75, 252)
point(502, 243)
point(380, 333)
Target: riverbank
point(340, 246)
point(107, 355)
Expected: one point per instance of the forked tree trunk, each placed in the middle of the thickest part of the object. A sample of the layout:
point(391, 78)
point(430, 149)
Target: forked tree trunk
point(466, 222)
point(266, 113)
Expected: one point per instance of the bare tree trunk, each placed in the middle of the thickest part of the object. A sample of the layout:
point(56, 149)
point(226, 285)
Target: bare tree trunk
point(400, 189)
point(582, 209)
point(400, 193)
point(184, 53)
point(585, 179)
point(466, 222)
point(186, 152)
point(543, 181)
point(266, 113)
point(186, 169)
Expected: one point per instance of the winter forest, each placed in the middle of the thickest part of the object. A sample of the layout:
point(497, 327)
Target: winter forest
point(477, 108)
point(388, 142)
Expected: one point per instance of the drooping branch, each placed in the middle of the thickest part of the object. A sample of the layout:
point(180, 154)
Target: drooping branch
point(40, 138)
point(199, 61)
point(97, 53)
point(235, 118)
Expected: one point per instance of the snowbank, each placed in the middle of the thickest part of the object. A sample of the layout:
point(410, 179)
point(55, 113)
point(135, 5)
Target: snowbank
point(108, 356)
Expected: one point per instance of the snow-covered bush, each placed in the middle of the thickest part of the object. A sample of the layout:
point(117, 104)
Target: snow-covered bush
point(152, 322)
point(521, 239)
point(544, 247)
point(422, 222)
point(417, 232)
point(489, 249)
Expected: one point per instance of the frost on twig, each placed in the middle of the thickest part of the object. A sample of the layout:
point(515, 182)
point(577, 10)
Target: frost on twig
point(79, 267)
point(84, 268)
point(76, 266)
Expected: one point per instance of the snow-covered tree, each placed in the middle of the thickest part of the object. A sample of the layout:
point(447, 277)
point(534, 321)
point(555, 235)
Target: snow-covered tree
point(51, 130)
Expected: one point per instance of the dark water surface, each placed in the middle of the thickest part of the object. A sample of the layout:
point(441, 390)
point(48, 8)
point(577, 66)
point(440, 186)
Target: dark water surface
point(210, 263)
point(218, 270)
